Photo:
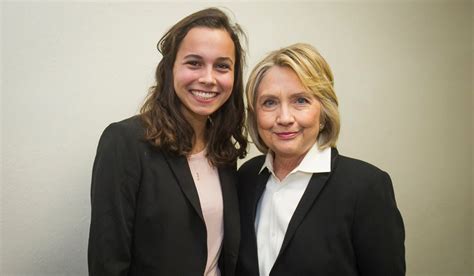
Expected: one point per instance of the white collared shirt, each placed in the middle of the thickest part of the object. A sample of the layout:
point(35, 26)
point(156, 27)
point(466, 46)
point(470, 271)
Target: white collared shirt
point(279, 201)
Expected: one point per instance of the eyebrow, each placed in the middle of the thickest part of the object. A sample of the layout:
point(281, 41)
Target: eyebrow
point(267, 93)
point(302, 93)
point(192, 56)
point(228, 59)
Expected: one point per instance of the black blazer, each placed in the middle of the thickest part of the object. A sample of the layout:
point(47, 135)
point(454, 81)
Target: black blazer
point(146, 216)
point(347, 223)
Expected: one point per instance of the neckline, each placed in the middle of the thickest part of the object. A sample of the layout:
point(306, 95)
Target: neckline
point(198, 155)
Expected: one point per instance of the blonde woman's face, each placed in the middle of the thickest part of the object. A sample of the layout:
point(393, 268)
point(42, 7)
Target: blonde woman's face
point(288, 115)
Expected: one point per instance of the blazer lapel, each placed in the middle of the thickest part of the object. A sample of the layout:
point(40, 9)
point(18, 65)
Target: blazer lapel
point(228, 179)
point(260, 184)
point(182, 172)
point(311, 193)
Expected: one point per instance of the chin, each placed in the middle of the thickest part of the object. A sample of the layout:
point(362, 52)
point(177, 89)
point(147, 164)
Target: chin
point(204, 112)
point(287, 153)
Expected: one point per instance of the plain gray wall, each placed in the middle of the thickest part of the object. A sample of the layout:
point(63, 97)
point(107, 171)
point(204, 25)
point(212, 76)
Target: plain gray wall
point(403, 73)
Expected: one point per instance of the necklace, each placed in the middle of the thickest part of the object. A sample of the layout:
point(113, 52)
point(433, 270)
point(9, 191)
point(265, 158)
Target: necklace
point(197, 176)
point(195, 162)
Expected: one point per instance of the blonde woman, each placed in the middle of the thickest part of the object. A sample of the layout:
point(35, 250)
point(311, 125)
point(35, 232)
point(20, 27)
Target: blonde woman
point(306, 209)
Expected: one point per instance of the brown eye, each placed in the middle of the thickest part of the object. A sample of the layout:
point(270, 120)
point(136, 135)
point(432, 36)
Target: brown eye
point(223, 66)
point(193, 63)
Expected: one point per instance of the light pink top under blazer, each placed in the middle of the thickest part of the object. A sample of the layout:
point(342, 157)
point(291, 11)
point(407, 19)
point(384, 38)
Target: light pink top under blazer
point(206, 179)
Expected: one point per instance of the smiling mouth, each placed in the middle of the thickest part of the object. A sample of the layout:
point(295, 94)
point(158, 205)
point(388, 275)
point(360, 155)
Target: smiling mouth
point(287, 135)
point(204, 95)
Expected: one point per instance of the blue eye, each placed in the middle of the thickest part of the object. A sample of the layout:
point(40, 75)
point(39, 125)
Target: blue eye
point(302, 100)
point(269, 103)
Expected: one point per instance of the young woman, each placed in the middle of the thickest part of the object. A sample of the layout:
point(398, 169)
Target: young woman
point(163, 185)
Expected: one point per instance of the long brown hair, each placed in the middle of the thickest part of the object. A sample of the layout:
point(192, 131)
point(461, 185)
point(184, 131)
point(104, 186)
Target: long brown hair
point(166, 127)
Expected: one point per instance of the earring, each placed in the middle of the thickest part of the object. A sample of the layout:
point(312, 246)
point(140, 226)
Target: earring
point(321, 127)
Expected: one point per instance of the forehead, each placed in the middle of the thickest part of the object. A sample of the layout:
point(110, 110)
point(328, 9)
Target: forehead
point(282, 80)
point(207, 42)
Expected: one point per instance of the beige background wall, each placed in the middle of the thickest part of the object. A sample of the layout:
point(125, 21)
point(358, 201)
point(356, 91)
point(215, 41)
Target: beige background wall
point(472, 129)
point(404, 77)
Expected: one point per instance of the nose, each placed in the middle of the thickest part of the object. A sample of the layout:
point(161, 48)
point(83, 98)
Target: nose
point(207, 76)
point(285, 116)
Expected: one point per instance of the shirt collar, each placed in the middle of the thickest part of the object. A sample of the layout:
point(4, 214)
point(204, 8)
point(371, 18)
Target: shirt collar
point(315, 161)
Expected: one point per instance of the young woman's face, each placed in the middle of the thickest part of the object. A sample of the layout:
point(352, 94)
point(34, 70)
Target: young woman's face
point(203, 71)
point(287, 113)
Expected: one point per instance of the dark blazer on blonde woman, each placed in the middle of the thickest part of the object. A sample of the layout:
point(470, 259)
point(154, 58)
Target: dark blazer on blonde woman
point(346, 223)
point(141, 228)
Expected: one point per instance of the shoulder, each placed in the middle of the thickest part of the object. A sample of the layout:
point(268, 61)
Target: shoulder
point(249, 173)
point(125, 134)
point(248, 176)
point(355, 167)
point(361, 174)
point(130, 127)
point(252, 166)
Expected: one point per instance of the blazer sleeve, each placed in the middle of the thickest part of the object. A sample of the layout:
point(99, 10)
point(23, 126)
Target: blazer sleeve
point(379, 233)
point(115, 180)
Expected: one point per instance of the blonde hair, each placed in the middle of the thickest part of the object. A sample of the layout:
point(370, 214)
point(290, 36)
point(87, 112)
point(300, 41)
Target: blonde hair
point(315, 75)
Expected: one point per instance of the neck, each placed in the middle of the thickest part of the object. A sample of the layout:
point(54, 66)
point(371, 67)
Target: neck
point(282, 166)
point(198, 146)
point(198, 123)
point(200, 141)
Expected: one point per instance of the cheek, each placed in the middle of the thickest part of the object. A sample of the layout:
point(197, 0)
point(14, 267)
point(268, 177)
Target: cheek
point(182, 77)
point(177, 79)
point(264, 127)
point(264, 131)
point(265, 120)
point(310, 119)
point(227, 82)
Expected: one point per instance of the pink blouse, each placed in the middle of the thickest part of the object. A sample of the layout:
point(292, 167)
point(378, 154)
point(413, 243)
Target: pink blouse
point(206, 179)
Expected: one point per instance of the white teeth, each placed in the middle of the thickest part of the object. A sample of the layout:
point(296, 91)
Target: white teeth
point(203, 94)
